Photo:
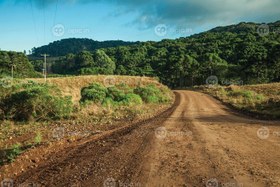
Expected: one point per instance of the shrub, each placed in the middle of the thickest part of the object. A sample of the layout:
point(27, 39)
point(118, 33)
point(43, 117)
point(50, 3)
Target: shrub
point(108, 102)
point(151, 94)
point(116, 94)
point(95, 92)
point(36, 102)
point(125, 88)
point(131, 100)
point(123, 95)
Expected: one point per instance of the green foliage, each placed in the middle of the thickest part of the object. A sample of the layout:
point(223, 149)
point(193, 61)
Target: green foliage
point(84, 59)
point(131, 100)
point(116, 94)
point(95, 92)
point(13, 152)
point(19, 62)
point(34, 102)
point(75, 45)
point(122, 95)
point(85, 63)
point(234, 52)
point(38, 65)
point(151, 94)
point(38, 138)
point(104, 62)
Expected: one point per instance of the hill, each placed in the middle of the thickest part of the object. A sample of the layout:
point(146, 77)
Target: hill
point(75, 45)
point(245, 53)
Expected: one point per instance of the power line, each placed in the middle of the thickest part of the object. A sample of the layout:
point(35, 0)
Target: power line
point(55, 13)
point(34, 20)
point(44, 23)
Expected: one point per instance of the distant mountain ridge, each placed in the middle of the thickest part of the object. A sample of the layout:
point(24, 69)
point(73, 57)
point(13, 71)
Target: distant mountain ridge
point(247, 53)
point(245, 27)
point(76, 45)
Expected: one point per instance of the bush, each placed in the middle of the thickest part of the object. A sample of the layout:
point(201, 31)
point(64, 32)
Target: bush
point(151, 94)
point(131, 100)
point(123, 95)
point(116, 94)
point(109, 102)
point(36, 102)
point(125, 88)
point(95, 92)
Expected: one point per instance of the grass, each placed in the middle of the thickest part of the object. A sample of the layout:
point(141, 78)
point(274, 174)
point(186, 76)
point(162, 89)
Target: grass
point(90, 117)
point(260, 100)
point(38, 138)
point(71, 86)
point(9, 155)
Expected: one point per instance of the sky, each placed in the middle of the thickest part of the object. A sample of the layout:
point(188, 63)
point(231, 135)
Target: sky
point(32, 23)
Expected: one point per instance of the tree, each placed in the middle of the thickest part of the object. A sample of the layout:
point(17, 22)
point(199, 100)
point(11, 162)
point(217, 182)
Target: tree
point(84, 59)
point(104, 62)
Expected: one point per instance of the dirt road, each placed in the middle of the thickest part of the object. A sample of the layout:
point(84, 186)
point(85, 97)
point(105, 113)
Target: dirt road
point(198, 142)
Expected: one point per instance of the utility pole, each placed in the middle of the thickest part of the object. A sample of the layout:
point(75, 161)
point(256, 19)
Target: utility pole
point(45, 66)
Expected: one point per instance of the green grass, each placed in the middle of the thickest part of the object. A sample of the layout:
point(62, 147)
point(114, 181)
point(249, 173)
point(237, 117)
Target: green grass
point(28, 107)
point(258, 103)
point(120, 95)
point(38, 138)
point(9, 155)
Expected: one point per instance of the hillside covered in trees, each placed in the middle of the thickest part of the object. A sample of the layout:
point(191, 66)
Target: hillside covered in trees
point(237, 53)
point(234, 54)
point(16, 62)
point(75, 45)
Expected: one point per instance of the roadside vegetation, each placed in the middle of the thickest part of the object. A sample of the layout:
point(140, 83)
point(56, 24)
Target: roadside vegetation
point(259, 100)
point(33, 113)
point(236, 52)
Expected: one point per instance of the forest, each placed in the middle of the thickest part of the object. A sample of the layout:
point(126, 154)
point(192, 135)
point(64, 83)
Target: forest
point(234, 54)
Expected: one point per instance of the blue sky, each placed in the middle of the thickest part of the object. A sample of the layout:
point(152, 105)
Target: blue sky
point(32, 23)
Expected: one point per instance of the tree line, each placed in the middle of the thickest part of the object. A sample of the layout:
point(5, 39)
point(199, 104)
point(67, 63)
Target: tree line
point(236, 53)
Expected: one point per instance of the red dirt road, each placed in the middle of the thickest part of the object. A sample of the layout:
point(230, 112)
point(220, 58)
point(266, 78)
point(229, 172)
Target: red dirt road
point(198, 142)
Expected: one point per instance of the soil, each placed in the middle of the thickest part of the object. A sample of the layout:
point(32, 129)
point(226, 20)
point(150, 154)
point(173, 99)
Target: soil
point(196, 142)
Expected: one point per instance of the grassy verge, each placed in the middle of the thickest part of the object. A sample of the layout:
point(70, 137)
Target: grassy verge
point(262, 101)
point(34, 114)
